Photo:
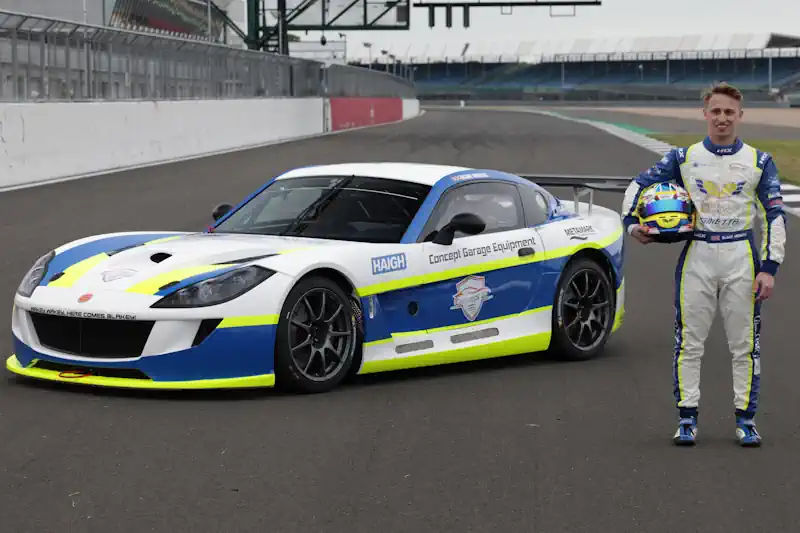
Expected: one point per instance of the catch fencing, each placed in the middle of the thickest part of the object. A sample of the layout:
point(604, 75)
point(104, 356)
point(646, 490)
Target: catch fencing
point(45, 59)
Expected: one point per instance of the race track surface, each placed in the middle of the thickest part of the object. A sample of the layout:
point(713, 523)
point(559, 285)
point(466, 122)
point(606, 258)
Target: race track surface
point(515, 444)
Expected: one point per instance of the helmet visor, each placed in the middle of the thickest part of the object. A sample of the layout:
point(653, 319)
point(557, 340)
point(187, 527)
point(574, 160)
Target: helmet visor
point(666, 206)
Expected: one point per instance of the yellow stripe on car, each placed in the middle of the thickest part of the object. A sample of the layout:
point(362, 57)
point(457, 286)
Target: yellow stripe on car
point(78, 270)
point(527, 344)
point(487, 266)
point(242, 321)
point(261, 380)
point(152, 285)
point(619, 316)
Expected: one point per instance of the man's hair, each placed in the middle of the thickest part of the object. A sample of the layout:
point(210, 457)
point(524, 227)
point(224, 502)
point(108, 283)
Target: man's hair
point(722, 88)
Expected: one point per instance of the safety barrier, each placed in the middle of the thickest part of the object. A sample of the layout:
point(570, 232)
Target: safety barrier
point(46, 142)
point(88, 99)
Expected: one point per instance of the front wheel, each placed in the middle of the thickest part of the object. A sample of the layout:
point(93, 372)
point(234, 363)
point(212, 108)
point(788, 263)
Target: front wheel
point(583, 311)
point(317, 337)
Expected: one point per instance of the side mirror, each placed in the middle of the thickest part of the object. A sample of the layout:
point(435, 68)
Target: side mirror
point(468, 223)
point(221, 210)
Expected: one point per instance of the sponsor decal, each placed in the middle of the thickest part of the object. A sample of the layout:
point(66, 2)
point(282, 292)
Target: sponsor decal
point(389, 263)
point(113, 275)
point(721, 221)
point(724, 150)
point(462, 177)
point(720, 238)
point(82, 314)
point(84, 298)
point(470, 294)
point(486, 250)
point(580, 232)
point(763, 160)
point(712, 189)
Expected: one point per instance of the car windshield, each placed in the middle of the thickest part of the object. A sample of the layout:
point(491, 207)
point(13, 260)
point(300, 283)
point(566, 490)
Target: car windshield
point(351, 208)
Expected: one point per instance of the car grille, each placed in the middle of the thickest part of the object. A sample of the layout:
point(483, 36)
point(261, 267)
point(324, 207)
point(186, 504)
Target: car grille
point(90, 337)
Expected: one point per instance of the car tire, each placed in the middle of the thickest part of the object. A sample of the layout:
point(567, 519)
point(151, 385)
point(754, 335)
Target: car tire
point(583, 311)
point(317, 337)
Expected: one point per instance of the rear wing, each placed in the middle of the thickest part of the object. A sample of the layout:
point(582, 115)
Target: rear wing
point(581, 185)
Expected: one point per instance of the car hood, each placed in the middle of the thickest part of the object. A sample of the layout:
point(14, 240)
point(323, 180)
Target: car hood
point(149, 266)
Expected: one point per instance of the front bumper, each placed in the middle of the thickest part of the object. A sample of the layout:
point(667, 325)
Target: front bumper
point(83, 376)
point(177, 354)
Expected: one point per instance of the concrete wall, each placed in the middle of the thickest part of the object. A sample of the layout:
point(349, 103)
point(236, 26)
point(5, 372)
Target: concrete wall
point(42, 142)
point(410, 108)
point(346, 113)
point(47, 142)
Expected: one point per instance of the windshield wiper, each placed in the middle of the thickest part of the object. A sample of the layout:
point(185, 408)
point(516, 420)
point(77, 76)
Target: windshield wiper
point(316, 206)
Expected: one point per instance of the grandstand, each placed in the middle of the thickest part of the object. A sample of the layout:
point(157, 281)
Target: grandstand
point(766, 66)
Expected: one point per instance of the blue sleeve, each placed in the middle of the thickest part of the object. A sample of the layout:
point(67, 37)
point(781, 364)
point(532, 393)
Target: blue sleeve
point(668, 169)
point(773, 214)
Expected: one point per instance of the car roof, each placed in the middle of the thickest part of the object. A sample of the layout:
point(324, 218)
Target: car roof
point(422, 173)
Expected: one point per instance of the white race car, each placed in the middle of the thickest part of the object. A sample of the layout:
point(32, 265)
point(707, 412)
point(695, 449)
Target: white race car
point(328, 271)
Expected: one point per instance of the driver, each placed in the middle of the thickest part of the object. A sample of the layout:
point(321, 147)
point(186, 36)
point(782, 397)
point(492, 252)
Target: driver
point(728, 182)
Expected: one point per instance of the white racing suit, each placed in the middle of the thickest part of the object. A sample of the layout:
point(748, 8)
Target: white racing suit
point(728, 185)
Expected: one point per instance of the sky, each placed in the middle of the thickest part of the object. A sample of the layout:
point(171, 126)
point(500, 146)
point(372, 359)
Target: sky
point(614, 17)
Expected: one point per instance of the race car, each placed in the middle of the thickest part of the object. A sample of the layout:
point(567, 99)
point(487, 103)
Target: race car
point(329, 271)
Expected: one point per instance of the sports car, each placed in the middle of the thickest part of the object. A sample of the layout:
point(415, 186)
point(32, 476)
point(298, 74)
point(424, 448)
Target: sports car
point(329, 271)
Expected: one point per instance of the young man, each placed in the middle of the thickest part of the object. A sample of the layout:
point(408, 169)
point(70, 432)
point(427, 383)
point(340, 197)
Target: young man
point(728, 182)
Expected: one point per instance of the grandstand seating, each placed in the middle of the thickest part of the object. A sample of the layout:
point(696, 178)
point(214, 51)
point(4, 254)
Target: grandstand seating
point(748, 74)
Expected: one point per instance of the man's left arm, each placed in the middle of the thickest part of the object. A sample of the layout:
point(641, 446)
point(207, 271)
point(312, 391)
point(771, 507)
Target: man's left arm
point(773, 224)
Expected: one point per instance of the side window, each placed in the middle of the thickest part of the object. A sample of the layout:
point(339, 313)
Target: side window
point(498, 204)
point(536, 208)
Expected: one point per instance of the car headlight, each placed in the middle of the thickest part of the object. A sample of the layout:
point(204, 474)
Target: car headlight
point(35, 275)
point(218, 289)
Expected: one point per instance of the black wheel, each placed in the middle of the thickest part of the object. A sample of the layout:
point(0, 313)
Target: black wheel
point(317, 337)
point(583, 311)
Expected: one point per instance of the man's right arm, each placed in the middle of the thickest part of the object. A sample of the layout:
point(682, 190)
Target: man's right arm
point(669, 168)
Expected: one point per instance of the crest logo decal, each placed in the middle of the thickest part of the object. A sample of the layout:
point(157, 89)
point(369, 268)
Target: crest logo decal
point(470, 294)
point(112, 275)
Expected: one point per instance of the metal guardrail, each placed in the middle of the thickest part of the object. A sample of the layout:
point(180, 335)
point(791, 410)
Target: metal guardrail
point(46, 59)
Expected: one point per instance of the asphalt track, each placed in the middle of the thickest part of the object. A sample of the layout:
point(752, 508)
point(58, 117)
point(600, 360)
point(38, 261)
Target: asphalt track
point(514, 444)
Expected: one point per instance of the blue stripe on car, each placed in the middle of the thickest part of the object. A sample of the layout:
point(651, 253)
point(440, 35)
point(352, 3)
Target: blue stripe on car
point(78, 253)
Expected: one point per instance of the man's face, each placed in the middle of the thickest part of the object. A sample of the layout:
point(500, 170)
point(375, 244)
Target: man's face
point(722, 114)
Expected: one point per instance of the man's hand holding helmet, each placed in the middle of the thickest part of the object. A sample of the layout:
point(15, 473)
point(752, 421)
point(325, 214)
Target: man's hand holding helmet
point(666, 214)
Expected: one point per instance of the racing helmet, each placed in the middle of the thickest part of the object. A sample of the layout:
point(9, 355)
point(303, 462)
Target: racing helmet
point(666, 210)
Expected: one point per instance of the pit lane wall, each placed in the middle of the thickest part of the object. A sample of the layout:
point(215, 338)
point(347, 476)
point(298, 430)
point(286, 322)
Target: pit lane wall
point(52, 141)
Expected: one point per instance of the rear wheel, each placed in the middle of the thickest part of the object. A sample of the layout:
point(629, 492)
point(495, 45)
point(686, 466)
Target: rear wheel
point(583, 311)
point(317, 337)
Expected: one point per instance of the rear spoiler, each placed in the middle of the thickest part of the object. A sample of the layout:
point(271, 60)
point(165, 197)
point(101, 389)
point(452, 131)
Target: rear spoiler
point(581, 185)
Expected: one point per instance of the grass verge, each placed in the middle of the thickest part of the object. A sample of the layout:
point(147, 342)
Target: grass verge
point(785, 153)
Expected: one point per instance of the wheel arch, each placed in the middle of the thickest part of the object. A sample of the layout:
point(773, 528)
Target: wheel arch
point(599, 257)
point(349, 288)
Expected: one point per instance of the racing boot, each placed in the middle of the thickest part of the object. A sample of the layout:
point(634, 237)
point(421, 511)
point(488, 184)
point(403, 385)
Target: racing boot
point(687, 431)
point(746, 432)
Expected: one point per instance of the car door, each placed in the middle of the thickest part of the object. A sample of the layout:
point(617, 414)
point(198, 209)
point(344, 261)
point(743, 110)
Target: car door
point(485, 276)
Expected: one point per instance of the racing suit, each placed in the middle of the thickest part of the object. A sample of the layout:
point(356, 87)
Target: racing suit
point(718, 264)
